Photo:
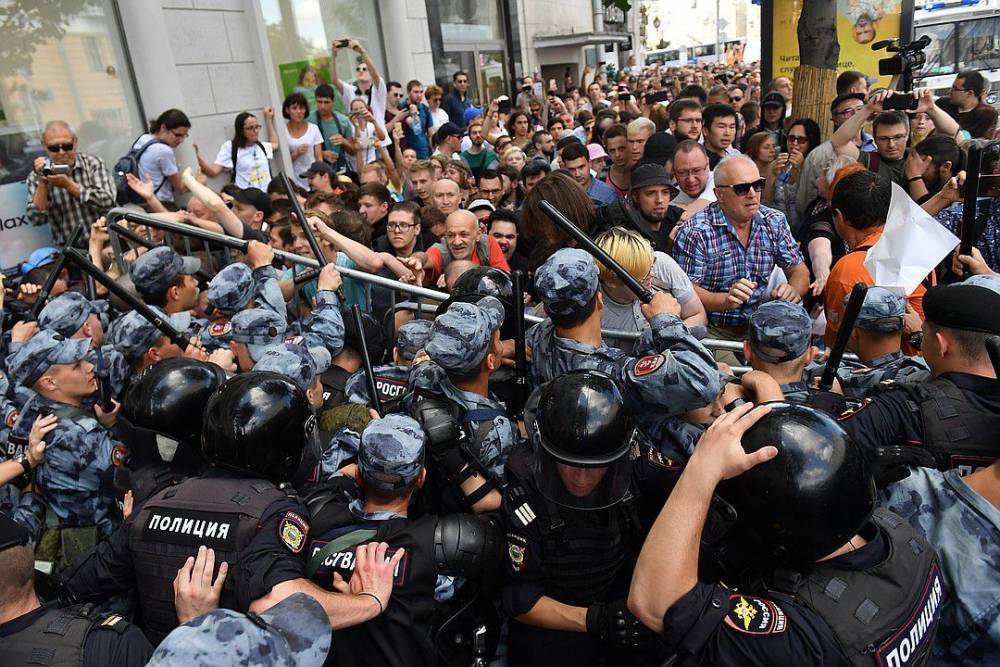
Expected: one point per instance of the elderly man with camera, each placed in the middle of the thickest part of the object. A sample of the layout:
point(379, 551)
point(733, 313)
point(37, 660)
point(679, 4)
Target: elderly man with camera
point(67, 188)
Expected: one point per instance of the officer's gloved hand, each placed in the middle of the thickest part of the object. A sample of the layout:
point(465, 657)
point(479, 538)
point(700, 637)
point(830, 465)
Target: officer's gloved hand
point(892, 463)
point(613, 622)
point(443, 439)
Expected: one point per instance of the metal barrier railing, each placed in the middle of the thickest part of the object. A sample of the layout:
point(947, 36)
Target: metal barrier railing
point(416, 290)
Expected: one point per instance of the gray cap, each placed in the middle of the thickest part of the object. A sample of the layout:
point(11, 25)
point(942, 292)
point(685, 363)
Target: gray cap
point(133, 334)
point(412, 337)
point(566, 281)
point(158, 267)
point(460, 337)
point(779, 331)
point(391, 453)
point(232, 288)
point(988, 281)
point(258, 329)
point(66, 313)
point(299, 363)
point(882, 311)
point(44, 349)
point(295, 632)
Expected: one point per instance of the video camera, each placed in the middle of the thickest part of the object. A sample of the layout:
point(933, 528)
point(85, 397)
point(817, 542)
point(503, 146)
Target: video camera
point(50, 168)
point(906, 58)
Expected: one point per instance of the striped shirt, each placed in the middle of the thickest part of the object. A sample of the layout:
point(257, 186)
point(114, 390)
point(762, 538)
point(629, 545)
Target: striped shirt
point(65, 212)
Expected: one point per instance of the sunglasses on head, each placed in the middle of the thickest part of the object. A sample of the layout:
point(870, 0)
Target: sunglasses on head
point(55, 148)
point(741, 189)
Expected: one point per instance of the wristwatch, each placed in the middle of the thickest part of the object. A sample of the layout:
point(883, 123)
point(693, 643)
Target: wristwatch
point(22, 458)
point(916, 339)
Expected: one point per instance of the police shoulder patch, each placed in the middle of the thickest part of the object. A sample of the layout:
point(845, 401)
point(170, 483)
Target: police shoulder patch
point(658, 460)
point(220, 328)
point(517, 549)
point(648, 364)
point(293, 531)
point(12, 417)
point(755, 616)
point(854, 409)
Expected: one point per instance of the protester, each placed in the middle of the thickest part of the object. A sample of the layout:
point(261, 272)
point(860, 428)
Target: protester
point(250, 167)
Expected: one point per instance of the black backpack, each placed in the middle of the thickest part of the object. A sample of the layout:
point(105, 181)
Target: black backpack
point(129, 164)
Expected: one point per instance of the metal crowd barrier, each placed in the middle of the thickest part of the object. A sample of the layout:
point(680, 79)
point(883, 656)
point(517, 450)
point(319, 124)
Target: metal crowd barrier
point(188, 231)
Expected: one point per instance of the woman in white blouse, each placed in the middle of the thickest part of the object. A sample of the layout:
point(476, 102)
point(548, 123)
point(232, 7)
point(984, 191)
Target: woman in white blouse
point(367, 133)
point(245, 156)
point(433, 95)
point(305, 143)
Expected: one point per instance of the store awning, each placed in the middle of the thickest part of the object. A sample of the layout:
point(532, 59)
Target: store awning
point(580, 39)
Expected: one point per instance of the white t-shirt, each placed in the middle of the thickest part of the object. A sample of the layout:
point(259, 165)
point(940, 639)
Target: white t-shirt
point(368, 141)
point(438, 118)
point(157, 163)
point(302, 163)
point(252, 170)
point(629, 317)
point(379, 100)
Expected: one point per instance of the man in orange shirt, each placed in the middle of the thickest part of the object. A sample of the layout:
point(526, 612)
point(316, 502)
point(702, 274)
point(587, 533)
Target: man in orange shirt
point(860, 205)
point(464, 239)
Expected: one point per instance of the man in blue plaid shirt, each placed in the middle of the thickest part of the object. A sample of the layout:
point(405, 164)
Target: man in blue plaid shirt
point(730, 249)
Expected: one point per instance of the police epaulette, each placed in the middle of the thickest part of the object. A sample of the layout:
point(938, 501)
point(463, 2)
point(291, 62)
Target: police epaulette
point(114, 622)
point(524, 513)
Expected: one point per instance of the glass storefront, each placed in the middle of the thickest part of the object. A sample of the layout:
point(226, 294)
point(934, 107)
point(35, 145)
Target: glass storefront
point(64, 62)
point(300, 32)
point(472, 36)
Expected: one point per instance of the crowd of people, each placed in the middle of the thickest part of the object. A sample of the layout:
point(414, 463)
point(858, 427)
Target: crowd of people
point(199, 469)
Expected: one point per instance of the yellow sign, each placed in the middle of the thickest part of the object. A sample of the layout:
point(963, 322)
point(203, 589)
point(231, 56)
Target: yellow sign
point(860, 23)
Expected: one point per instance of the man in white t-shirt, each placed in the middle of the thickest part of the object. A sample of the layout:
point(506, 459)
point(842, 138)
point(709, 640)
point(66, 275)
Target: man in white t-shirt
point(369, 85)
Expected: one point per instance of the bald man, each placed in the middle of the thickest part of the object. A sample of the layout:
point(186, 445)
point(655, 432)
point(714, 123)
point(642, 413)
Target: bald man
point(447, 196)
point(464, 240)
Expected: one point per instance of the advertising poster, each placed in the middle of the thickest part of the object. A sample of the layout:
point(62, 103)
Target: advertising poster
point(302, 76)
point(18, 237)
point(860, 23)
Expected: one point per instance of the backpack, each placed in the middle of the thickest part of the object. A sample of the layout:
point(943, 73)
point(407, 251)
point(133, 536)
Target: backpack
point(233, 159)
point(129, 164)
point(341, 164)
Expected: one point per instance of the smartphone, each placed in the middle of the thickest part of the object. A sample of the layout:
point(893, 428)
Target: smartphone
point(552, 84)
point(342, 43)
point(625, 96)
point(503, 104)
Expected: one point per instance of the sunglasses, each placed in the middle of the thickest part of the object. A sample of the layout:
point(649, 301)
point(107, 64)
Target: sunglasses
point(361, 69)
point(798, 140)
point(742, 189)
point(56, 148)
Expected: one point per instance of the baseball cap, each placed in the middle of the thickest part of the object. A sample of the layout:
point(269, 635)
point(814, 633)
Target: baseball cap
point(566, 281)
point(773, 98)
point(481, 205)
point(297, 362)
point(232, 288)
point(133, 334)
point(43, 350)
point(460, 337)
point(882, 311)
point(318, 167)
point(294, 632)
point(447, 130)
point(412, 337)
point(471, 113)
point(779, 331)
point(256, 198)
point(649, 174)
point(258, 329)
point(155, 269)
point(66, 313)
point(391, 454)
point(40, 257)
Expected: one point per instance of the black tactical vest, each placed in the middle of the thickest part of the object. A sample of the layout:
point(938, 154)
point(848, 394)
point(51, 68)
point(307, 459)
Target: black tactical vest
point(57, 639)
point(958, 435)
point(887, 614)
point(402, 635)
point(221, 513)
point(583, 551)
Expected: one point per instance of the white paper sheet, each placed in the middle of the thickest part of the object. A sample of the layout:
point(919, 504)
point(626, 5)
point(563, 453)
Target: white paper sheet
point(912, 244)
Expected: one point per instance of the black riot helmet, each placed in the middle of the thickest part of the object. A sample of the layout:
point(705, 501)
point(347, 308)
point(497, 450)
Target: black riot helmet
point(481, 281)
point(806, 502)
point(579, 426)
point(257, 424)
point(161, 415)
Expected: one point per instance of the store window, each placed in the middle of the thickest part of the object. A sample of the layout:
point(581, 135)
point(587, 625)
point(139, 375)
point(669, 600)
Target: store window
point(300, 32)
point(65, 61)
point(472, 39)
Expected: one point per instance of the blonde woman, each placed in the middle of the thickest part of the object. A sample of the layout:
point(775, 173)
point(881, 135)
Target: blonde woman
point(657, 270)
point(514, 157)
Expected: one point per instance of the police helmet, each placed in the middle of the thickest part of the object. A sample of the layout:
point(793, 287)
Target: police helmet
point(806, 502)
point(258, 423)
point(578, 426)
point(161, 415)
point(481, 281)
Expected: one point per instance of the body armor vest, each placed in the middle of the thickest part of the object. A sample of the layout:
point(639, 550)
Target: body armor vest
point(958, 435)
point(583, 551)
point(221, 513)
point(887, 614)
point(57, 639)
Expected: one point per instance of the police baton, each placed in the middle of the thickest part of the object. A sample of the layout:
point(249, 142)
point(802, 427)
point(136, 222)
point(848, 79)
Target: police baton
point(309, 234)
point(53, 276)
point(970, 227)
point(369, 372)
point(520, 355)
point(993, 349)
point(584, 242)
point(165, 327)
point(851, 311)
point(101, 371)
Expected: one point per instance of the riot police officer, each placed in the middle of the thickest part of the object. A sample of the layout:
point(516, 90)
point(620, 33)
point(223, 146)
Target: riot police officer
point(235, 509)
point(372, 502)
point(35, 633)
point(955, 415)
point(573, 527)
point(161, 423)
point(390, 379)
point(816, 575)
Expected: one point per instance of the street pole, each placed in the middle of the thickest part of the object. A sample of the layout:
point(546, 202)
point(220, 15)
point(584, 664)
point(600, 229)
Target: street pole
point(718, 33)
